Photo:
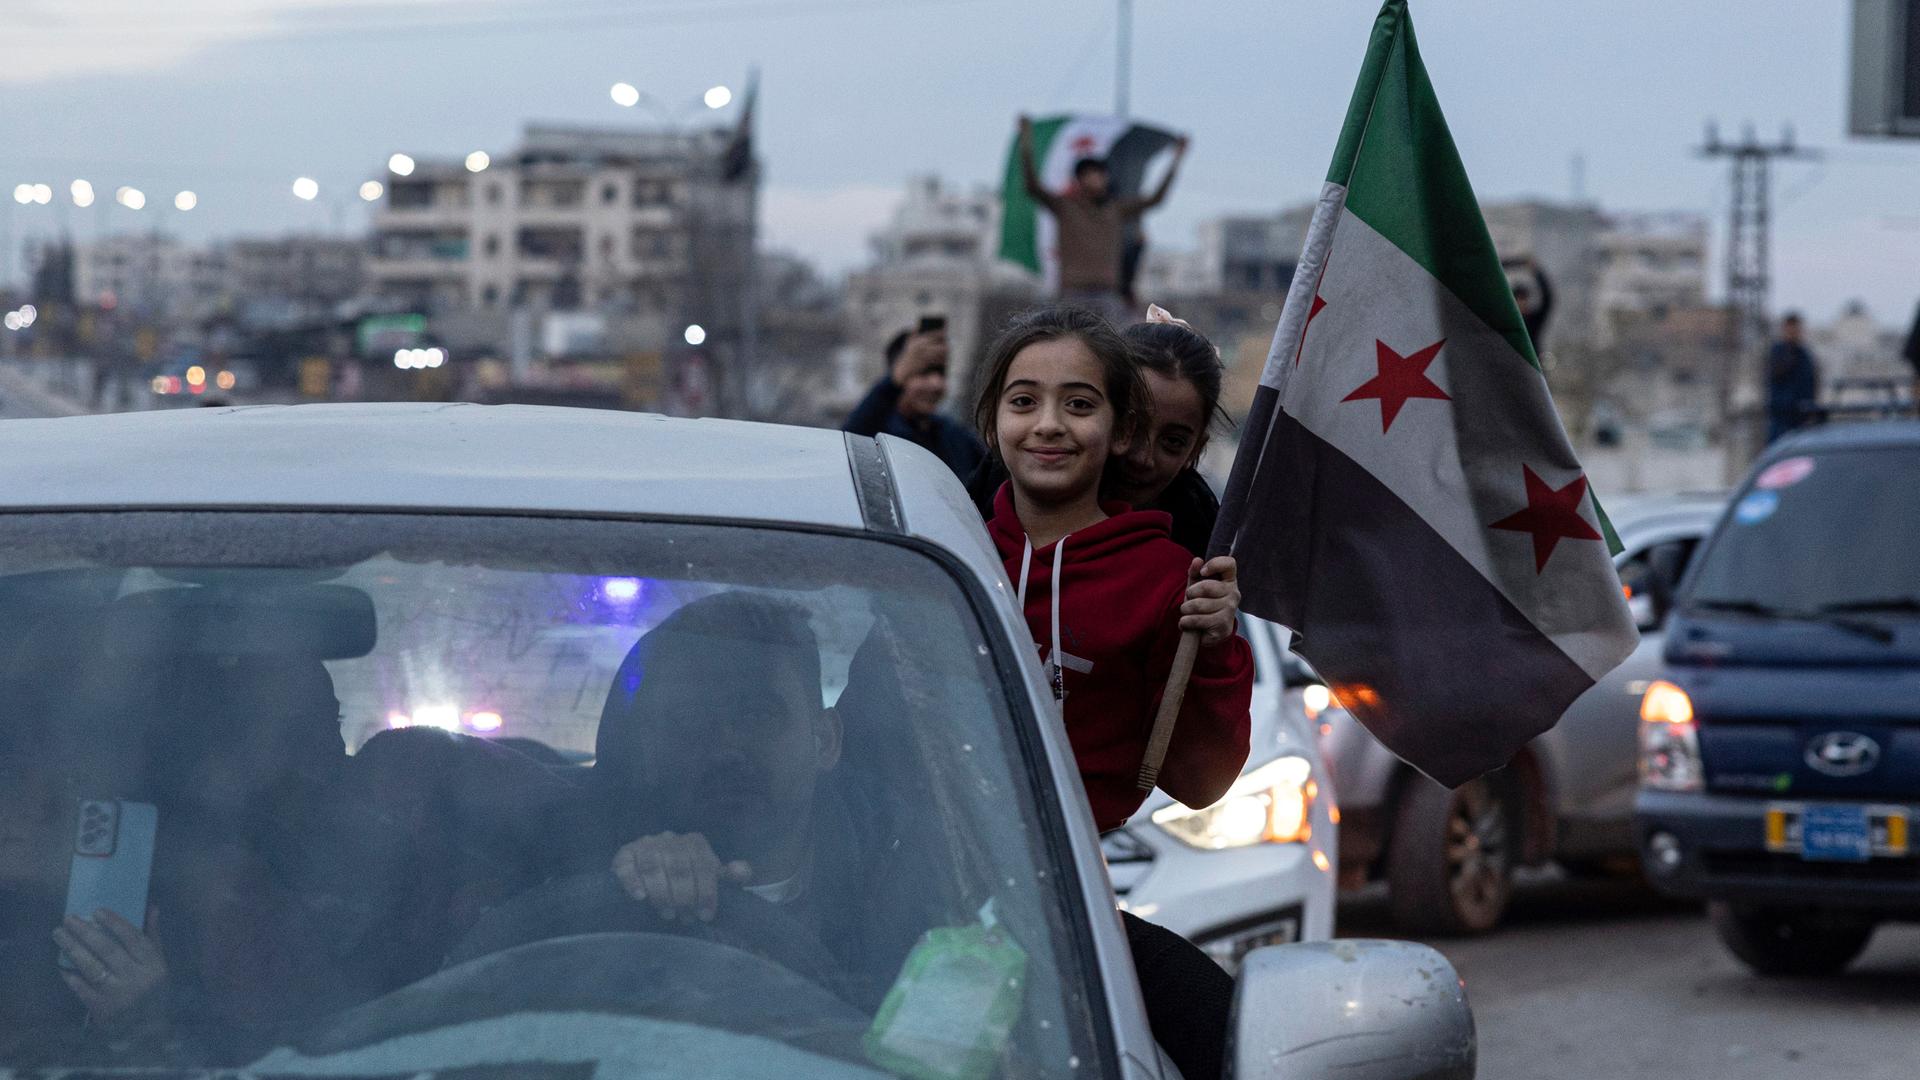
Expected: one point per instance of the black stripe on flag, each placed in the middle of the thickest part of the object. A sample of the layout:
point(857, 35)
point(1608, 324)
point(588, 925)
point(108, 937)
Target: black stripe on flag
point(1412, 638)
point(1128, 156)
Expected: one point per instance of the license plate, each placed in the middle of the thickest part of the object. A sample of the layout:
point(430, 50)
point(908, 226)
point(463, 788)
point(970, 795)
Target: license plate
point(1837, 832)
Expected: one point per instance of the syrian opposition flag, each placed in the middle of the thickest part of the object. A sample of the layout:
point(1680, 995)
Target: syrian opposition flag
point(1059, 142)
point(1405, 497)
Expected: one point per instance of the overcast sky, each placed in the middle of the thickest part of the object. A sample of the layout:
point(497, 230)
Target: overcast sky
point(235, 98)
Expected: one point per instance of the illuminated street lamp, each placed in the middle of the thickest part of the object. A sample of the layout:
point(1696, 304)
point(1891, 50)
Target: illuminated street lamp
point(82, 193)
point(625, 95)
point(478, 161)
point(696, 334)
point(306, 188)
point(372, 190)
point(43, 193)
point(400, 165)
point(131, 197)
point(23, 194)
point(186, 200)
point(718, 97)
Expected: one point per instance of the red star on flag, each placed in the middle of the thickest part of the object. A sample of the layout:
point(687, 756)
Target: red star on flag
point(1400, 379)
point(1551, 515)
point(1311, 312)
point(1085, 144)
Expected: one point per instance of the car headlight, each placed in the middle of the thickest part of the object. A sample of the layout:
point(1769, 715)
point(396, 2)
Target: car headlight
point(1316, 698)
point(1271, 804)
point(1669, 740)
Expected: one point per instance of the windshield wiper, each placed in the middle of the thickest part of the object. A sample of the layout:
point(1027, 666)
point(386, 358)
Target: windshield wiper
point(1743, 607)
point(1832, 615)
point(1876, 605)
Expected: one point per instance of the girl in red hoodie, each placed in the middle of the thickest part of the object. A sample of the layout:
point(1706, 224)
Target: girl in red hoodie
point(1104, 588)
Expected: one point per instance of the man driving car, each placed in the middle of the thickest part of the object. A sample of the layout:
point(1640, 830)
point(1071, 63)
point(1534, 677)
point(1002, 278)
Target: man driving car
point(713, 744)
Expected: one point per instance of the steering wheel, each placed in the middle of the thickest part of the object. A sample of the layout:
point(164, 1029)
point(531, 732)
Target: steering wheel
point(594, 902)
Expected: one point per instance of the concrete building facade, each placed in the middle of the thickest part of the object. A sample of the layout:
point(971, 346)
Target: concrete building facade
point(151, 273)
point(651, 231)
point(935, 257)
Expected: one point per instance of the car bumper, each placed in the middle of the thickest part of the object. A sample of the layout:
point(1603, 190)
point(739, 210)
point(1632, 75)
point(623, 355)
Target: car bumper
point(1719, 845)
point(1227, 902)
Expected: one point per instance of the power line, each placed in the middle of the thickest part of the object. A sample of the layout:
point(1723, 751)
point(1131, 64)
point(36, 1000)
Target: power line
point(1749, 249)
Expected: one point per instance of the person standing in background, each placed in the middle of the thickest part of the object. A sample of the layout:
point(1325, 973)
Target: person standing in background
point(1911, 351)
point(1093, 226)
point(905, 402)
point(1793, 379)
point(1533, 294)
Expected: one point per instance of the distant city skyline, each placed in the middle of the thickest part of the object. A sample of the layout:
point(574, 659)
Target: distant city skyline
point(235, 99)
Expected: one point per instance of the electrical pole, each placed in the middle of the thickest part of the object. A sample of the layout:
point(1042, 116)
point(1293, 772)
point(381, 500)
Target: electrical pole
point(1749, 276)
point(1123, 61)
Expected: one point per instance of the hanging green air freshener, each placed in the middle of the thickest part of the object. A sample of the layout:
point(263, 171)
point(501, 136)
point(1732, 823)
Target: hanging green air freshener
point(948, 1015)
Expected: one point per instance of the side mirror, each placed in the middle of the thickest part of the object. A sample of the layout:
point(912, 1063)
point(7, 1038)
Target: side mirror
point(1669, 562)
point(1356, 1009)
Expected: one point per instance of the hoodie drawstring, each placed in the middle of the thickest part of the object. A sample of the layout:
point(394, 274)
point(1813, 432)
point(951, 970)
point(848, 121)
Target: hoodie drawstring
point(1054, 676)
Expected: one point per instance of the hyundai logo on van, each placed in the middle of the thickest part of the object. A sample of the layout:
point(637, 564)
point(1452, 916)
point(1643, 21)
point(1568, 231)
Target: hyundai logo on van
point(1843, 753)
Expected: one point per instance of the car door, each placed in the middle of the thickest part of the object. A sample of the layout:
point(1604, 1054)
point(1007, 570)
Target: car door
point(1598, 738)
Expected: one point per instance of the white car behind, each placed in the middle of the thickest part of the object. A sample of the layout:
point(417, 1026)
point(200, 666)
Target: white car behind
point(1258, 867)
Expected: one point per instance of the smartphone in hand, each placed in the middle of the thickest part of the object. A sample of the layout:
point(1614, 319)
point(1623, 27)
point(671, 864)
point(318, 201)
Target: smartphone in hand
point(112, 860)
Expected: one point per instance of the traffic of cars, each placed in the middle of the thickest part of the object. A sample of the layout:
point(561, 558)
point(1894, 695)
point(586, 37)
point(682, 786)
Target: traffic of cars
point(1448, 857)
point(1780, 745)
point(386, 676)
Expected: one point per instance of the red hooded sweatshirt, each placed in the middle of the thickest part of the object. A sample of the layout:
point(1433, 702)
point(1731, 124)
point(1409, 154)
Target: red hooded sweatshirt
point(1119, 587)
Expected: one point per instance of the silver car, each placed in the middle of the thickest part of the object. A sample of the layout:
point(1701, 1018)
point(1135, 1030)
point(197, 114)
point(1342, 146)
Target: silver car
point(352, 675)
point(1448, 856)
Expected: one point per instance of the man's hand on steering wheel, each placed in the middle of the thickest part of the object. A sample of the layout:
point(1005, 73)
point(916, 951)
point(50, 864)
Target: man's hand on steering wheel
point(677, 873)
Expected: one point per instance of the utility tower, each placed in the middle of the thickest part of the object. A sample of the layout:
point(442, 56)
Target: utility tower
point(1749, 280)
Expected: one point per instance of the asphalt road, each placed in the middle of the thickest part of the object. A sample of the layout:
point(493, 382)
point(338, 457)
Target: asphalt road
point(1604, 981)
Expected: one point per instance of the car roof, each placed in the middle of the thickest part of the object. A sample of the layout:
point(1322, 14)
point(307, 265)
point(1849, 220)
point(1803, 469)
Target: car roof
point(433, 457)
point(1635, 516)
point(1846, 436)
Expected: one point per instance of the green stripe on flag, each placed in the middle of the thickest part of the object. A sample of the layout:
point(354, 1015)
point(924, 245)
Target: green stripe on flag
point(1019, 215)
point(1386, 28)
point(1406, 179)
point(1614, 546)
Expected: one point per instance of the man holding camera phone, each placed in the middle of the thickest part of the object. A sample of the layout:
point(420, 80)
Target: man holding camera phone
point(906, 400)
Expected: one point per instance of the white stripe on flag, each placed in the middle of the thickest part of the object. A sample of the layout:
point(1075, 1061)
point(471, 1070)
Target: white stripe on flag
point(1457, 463)
point(1305, 286)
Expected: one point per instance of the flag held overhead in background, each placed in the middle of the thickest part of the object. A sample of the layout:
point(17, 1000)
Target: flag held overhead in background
point(1405, 497)
point(1059, 143)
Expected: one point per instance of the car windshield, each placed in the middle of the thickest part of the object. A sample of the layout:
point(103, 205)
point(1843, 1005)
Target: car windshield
point(385, 794)
point(1826, 533)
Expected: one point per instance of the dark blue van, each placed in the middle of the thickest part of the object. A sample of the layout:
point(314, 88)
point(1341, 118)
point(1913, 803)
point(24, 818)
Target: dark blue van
point(1780, 752)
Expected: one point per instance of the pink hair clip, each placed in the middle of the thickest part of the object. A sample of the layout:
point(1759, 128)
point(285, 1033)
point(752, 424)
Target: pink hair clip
point(1158, 314)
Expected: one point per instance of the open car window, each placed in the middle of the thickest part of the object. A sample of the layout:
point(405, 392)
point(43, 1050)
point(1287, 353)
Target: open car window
point(390, 759)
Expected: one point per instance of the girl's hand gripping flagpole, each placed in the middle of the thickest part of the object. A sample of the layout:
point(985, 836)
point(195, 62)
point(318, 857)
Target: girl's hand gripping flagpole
point(1176, 693)
point(1177, 677)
